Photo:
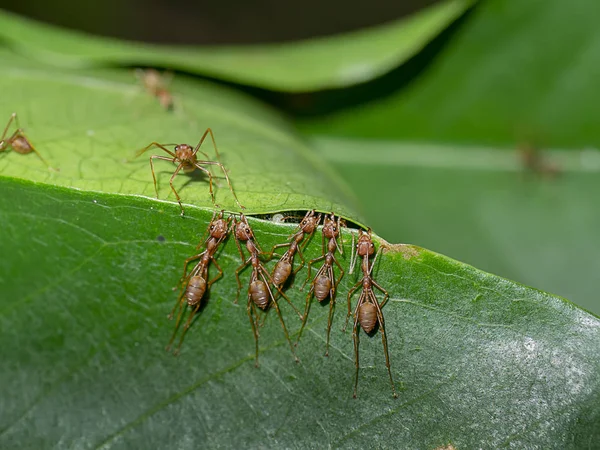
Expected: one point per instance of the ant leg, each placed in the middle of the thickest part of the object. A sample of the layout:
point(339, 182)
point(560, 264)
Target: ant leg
point(215, 163)
point(350, 292)
point(385, 345)
point(185, 264)
point(285, 331)
point(385, 293)
point(13, 116)
point(341, 272)
point(210, 181)
point(332, 291)
point(250, 311)
point(329, 319)
point(306, 311)
point(285, 244)
point(155, 144)
point(164, 158)
point(310, 263)
point(303, 261)
point(218, 162)
point(181, 304)
point(179, 167)
point(186, 327)
point(356, 342)
point(237, 277)
point(20, 133)
point(264, 272)
point(210, 283)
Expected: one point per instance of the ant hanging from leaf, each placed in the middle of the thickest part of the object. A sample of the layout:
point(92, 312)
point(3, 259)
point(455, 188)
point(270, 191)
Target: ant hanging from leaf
point(324, 285)
point(196, 283)
point(259, 290)
point(184, 156)
point(368, 310)
point(283, 268)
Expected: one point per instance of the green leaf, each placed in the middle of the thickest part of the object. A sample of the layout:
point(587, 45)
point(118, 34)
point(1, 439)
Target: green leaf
point(480, 205)
point(479, 361)
point(517, 70)
point(87, 274)
point(300, 66)
point(89, 125)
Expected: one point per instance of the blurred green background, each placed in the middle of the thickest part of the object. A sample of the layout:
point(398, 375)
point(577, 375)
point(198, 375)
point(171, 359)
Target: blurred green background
point(431, 146)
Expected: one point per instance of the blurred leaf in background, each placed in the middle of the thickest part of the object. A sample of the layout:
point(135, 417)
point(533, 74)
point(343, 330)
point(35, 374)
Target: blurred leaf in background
point(304, 66)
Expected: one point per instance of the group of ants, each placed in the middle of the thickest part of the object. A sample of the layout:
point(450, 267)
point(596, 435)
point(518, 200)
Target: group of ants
point(194, 284)
point(265, 288)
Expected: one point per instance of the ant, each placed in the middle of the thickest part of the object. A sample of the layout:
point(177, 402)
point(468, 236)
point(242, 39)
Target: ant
point(259, 290)
point(18, 141)
point(368, 309)
point(155, 84)
point(284, 266)
point(184, 156)
point(534, 161)
point(324, 284)
point(194, 284)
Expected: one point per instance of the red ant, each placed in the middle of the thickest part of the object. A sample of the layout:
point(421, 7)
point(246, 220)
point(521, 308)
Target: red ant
point(368, 309)
point(155, 83)
point(534, 161)
point(324, 284)
point(196, 281)
point(283, 268)
point(259, 290)
point(184, 156)
point(18, 141)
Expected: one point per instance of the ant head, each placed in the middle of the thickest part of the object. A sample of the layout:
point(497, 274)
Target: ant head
point(184, 151)
point(310, 222)
point(243, 232)
point(218, 228)
point(331, 228)
point(150, 76)
point(365, 246)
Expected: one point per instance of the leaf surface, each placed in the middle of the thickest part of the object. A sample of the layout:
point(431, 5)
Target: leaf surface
point(90, 124)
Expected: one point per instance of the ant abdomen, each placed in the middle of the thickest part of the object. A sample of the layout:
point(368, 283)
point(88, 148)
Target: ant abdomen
point(259, 293)
point(21, 145)
point(195, 290)
point(282, 271)
point(367, 316)
point(322, 287)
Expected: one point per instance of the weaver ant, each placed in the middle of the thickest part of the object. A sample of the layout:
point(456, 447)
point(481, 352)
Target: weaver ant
point(259, 290)
point(283, 268)
point(368, 310)
point(155, 84)
point(324, 284)
point(18, 142)
point(534, 161)
point(184, 156)
point(195, 284)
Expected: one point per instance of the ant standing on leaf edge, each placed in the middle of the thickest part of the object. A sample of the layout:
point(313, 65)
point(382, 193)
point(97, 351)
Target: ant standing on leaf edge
point(367, 313)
